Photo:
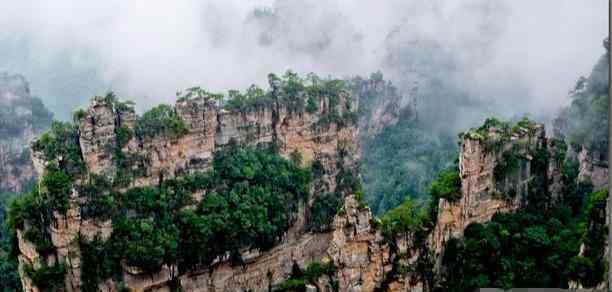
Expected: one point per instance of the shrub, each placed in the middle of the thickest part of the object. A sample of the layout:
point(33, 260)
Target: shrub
point(47, 278)
point(312, 105)
point(407, 217)
point(78, 115)
point(61, 144)
point(123, 136)
point(323, 210)
point(161, 120)
point(57, 189)
point(582, 269)
point(299, 278)
point(253, 98)
point(507, 165)
point(147, 244)
point(34, 209)
point(99, 261)
point(447, 186)
point(9, 277)
point(251, 200)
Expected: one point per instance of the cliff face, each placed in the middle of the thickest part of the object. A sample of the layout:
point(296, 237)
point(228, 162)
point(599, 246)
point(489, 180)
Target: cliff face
point(593, 168)
point(351, 244)
point(22, 118)
point(379, 104)
point(485, 190)
point(364, 259)
point(208, 128)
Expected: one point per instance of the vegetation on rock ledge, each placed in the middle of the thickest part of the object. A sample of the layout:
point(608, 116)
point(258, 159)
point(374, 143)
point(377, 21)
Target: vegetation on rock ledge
point(160, 120)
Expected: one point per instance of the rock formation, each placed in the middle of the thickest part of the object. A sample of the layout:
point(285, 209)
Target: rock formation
point(379, 102)
point(351, 243)
point(498, 166)
point(483, 192)
point(22, 118)
point(593, 168)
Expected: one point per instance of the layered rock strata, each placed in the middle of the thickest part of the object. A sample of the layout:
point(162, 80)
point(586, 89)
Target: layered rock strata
point(481, 194)
point(351, 243)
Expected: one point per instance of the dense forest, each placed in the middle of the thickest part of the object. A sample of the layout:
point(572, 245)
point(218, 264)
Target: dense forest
point(401, 159)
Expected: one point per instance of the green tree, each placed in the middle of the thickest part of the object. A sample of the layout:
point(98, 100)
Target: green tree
point(160, 120)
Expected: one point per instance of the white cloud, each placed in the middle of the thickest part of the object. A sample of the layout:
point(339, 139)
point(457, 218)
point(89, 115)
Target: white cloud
point(147, 50)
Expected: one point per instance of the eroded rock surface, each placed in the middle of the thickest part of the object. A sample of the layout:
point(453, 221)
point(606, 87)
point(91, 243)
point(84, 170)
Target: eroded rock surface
point(481, 195)
point(22, 118)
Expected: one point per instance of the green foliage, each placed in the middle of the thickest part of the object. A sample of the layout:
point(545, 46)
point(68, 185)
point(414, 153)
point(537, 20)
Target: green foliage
point(5, 200)
point(9, 277)
point(317, 168)
point(296, 157)
point(57, 187)
point(482, 132)
point(291, 91)
point(507, 165)
point(99, 261)
point(254, 98)
point(251, 205)
point(298, 280)
point(538, 195)
point(33, 208)
point(513, 250)
point(98, 203)
point(123, 135)
point(447, 186)
point(323, 210)
point(574, 192)
point(78, 115)
point(147, 243)
point(402, 159)
point(530, 248)
point(123, 106)
point(312, 105)
point(559, 148)
point(61, 144)
point(161, 120)
point(582, 268)
point(409, 217)
point(251, 200)
point(197, 92)
point(589, 267)
point(110, 98)
point(504, 131)
point(316, 269)
point(47, 278)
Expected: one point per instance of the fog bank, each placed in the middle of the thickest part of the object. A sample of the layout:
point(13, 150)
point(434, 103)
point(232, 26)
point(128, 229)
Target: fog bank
point(467, 58)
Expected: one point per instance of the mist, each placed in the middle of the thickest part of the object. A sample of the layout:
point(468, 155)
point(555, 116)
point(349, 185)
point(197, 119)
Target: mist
point(463, 60)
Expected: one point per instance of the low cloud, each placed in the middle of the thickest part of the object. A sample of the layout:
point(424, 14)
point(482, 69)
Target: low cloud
point(468, 58)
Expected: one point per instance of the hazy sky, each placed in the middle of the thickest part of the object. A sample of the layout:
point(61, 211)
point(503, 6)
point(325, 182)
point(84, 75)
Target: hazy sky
point(512, 56)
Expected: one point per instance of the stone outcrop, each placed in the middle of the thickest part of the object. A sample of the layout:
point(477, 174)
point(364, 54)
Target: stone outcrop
point(364, 259)
point(593, 168)
point(350, 243)
point(22, 118)
point(208, 128)
point(481, 195)
point(380, 103)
